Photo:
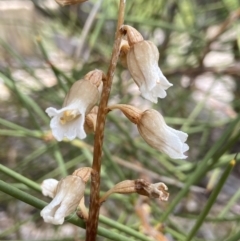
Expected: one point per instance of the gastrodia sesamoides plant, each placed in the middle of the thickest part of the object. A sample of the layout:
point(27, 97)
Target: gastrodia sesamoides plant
point(154, 130)
point(81, 114)
point(69, 120)
point(141, 58)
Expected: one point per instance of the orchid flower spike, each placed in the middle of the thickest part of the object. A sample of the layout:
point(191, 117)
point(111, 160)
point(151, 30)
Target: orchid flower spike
point(155, 131)
point(79, 101)
point(142, 61)
point(66, 195)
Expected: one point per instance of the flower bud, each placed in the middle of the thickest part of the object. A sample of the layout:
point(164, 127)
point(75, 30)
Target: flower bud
point(69, 192)
point(124, 48)
point(83, 95)
point(158, 135)
point(142, 62)
point(91, 120)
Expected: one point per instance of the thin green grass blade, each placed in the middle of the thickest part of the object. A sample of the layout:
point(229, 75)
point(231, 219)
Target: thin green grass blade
point(235, 237)
point(20, 178)
point(211, 200)
point(27, 100)
point(59, 159)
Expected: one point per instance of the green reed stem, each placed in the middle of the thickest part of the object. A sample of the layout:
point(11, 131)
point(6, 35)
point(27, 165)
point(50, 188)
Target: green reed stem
point(20, 178)
point(211, 200)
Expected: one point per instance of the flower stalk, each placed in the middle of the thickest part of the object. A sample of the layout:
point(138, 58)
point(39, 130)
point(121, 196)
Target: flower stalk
point(92, 224)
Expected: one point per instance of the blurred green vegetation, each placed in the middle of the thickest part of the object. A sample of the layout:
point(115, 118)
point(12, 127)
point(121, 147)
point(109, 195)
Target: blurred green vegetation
point(44, 48)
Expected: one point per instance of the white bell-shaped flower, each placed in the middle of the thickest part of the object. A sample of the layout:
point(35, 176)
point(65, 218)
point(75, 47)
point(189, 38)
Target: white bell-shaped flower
point(68, 194)
point(83, 95)
point(160, 136)
point(155, 131)
point(142, 61)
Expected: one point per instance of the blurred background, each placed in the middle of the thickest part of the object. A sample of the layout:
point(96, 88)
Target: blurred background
point(44, 48)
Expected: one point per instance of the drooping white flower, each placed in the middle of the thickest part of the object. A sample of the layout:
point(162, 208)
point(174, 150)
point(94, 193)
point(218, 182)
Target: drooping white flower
point(155, 131)
point(83, 95)
point(68, 194)
point(142, 61)
point(160, 136)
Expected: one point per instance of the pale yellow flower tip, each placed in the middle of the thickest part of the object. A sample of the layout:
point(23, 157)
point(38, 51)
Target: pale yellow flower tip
point(160, 136)
point(81, 98)
point(69, 192)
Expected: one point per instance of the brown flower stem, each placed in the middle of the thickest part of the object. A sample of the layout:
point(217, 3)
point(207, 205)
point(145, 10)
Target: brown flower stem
point(92, 224)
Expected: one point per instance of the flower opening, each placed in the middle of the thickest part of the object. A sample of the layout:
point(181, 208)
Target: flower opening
point(83, 95)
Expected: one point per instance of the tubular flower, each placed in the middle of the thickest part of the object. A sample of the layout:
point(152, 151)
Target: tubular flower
point(83, 95)
point(142, 62)
point(69, 192)
point(155, 131)
point(160, 136)
point(66, 195)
